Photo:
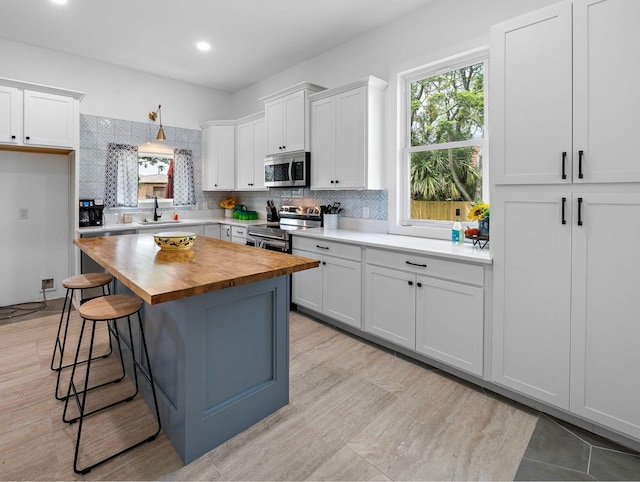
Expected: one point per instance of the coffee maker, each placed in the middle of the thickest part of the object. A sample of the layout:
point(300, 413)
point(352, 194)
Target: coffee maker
point(91, 212)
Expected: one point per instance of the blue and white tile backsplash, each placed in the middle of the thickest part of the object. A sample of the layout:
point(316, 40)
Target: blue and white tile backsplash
point(97, 132)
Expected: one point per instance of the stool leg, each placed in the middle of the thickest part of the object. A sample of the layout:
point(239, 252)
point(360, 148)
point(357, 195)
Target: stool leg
point(62, 345)
point(71, 380)
point(150, 377)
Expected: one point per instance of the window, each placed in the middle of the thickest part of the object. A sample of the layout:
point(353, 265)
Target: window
point(135, 179)
point(155, 176)
point(443, 143)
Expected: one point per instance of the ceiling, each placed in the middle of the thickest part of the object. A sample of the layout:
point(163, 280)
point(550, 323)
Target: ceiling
point(251, 39)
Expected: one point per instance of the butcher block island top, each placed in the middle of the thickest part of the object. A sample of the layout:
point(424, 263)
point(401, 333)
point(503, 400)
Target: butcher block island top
point(158, 276)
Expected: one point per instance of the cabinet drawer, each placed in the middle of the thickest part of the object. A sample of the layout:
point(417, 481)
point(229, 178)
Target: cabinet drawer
point(238, 232)
point(341, 250)
point(427, 266)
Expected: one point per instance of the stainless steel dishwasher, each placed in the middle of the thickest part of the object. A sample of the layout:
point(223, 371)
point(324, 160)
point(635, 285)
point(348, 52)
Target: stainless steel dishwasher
point(88, 265)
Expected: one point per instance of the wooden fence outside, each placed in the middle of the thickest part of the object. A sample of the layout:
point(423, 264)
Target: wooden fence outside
point(440, 210)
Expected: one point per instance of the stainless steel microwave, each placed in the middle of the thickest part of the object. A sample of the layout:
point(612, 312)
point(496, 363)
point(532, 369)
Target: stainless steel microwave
point(288, 169)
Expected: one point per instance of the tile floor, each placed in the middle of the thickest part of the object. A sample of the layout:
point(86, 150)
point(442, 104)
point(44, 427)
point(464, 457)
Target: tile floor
point(383, 433)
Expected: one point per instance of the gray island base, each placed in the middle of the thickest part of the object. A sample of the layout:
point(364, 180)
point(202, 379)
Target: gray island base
point(220, 361)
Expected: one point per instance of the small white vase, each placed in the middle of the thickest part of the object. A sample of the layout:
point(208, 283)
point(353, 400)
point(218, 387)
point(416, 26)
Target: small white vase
point(228, 213)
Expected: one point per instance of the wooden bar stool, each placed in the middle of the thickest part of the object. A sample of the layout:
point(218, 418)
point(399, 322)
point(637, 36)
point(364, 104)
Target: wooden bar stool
point(80, 282)
point(106, 309)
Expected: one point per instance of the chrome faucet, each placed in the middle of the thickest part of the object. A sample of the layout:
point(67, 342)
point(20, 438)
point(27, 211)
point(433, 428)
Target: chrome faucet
point(156, 216)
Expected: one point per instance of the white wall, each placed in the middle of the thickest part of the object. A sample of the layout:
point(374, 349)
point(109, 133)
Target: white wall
point(442, 29)
point(36, 248)
point(113, 91)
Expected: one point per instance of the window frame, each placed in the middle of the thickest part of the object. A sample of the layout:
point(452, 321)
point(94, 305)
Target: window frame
point(400, 221)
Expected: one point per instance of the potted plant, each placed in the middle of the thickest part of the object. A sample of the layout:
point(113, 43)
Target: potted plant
point(228, 204)
point(480, 212)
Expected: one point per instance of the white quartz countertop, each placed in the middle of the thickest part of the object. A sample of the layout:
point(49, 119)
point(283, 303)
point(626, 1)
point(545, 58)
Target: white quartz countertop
point(424, 246)
point(168, 226)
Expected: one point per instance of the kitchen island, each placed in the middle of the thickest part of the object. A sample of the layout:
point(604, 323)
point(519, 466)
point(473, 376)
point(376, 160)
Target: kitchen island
point(216, 320)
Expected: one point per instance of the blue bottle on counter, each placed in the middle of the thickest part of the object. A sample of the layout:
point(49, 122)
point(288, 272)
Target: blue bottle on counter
point(457, 234)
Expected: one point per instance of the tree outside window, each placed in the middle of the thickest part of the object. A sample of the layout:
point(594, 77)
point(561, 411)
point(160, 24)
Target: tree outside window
point(446, 139)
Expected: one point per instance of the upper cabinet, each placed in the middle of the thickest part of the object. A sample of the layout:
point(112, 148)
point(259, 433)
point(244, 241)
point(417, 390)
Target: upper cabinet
point(218, 156)
point(34, 116)
point(560, 84)
point(251, 151)
point(347, 136)
point(287, 118)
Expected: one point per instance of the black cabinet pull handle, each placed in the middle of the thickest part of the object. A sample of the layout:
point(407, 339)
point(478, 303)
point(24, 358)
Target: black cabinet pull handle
point(321, 247)
point(332, 181)
point(324, 262)
point(564, 203)
point(27, 138)
point(419, 285)
point(564, 165)
point(579, 211)
point(13, 137)
point(416, 264)
point(410, 283)
point(337, 181)
point(580, 154)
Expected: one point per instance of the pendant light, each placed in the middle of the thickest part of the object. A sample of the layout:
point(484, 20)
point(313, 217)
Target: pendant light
point(158, 115)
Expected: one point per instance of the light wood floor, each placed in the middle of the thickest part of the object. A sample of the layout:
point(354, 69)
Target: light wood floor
point(356, 413)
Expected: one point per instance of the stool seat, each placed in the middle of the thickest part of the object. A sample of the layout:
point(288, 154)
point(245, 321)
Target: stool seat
point(89, 280)
point(110, 307)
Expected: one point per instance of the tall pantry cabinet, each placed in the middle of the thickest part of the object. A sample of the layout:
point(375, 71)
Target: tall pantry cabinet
point(565, 198)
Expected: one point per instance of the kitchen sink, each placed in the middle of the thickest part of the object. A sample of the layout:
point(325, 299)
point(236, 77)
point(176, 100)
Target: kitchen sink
point(155, 223)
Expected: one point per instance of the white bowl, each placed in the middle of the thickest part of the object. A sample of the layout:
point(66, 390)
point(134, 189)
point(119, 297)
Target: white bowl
point(174, 240)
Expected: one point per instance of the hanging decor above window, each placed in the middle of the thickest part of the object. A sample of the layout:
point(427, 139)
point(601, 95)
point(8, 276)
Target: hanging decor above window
point(158, 115)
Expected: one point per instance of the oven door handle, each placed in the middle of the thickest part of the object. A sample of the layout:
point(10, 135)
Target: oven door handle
point(267, 236)
point(270, 243)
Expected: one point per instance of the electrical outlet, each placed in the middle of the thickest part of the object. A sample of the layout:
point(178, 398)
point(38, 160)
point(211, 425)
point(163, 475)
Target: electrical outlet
point(365, 212)
point(47, 284)
point(23, 213)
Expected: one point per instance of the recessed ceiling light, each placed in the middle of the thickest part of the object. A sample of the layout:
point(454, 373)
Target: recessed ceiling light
point(60, 2)
point(203, 46)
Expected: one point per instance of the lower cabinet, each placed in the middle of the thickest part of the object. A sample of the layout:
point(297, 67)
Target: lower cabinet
point(439, 318)
point(334, 288)
point(235, 234)
point(566, 311)
point(225, 232)
point(212, 231)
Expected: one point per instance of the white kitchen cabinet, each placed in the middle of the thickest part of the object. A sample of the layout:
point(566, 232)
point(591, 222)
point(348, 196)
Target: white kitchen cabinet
point(347, 136)
point(428, 305)
point(450, 323)
point(390, 308)
point(212, 230)
point(10, 115)
point(335, 287)
point(605, 313)
point(239, 234)
point(555, 75)
point(218, 156)
point(251, 151)
point(565, 324)
point(532, 292)
point(287, 118)
point(225, 232)
point(38, 119)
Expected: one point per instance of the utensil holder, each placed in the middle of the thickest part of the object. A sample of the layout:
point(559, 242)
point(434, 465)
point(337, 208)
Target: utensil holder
point(330, 221)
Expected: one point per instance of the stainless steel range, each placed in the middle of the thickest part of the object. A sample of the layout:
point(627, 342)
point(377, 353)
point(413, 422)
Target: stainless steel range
point(291, 218)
